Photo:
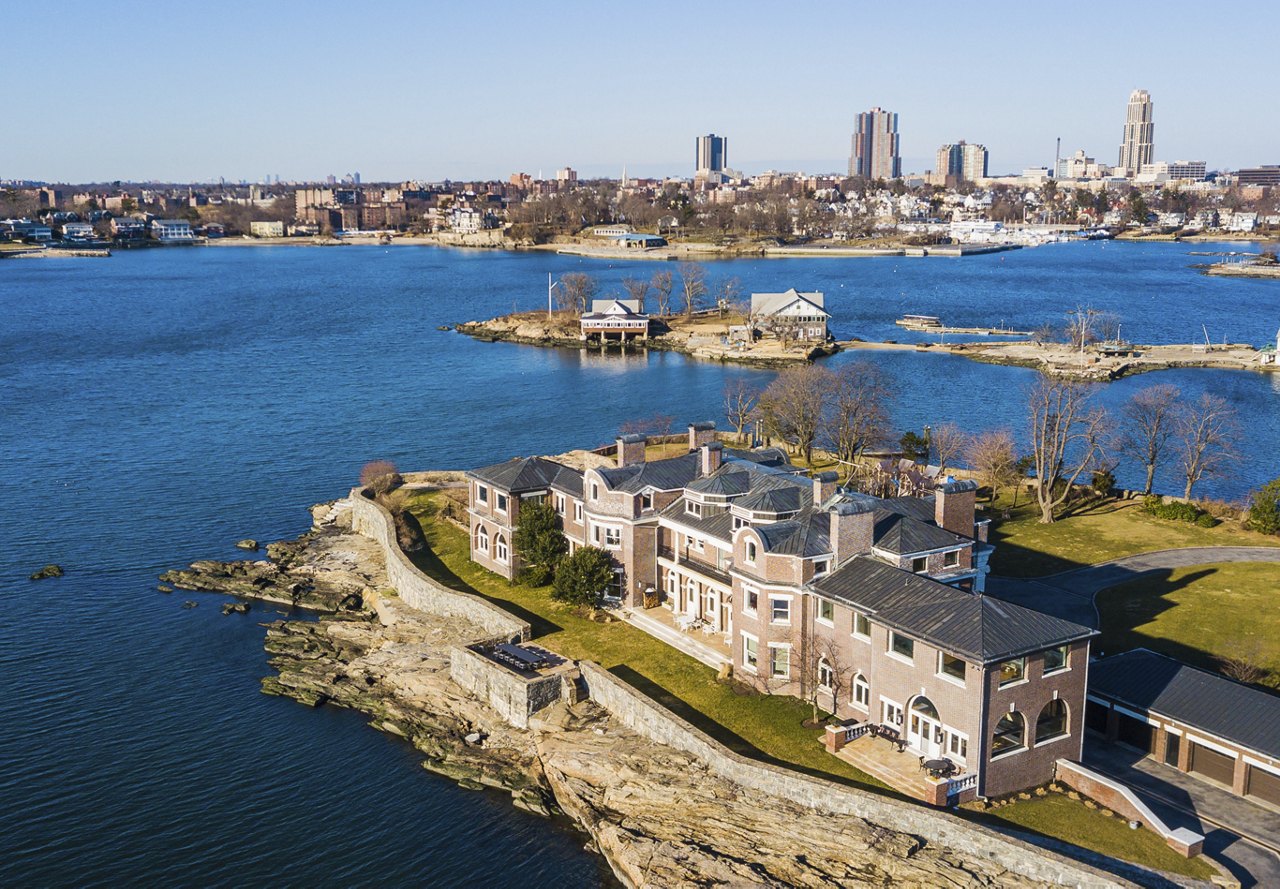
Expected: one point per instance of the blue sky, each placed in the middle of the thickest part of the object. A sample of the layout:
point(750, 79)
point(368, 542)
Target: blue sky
point(401, 90)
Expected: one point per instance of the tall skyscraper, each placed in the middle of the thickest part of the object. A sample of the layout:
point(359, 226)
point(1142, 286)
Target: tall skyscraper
point(1138, 147)
point(963, 161)
point(875, 146)
point(712, 154)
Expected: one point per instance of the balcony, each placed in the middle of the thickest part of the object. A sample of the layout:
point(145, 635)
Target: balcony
point(688, 560)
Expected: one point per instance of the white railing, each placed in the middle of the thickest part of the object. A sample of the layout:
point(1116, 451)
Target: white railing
point(963, 783)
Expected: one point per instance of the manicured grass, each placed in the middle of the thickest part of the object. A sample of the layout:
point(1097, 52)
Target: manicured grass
point(1070, 821)
point(766, 727)
point(1097, 533)
point(1198, 614)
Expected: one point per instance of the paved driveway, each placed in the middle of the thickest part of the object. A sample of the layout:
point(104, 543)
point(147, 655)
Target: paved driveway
point(1070, 594)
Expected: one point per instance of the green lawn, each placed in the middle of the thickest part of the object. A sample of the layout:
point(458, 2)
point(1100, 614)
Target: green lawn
point(1198, 614)
point(1026, 548)
point(765, 727)
point(1063, 818)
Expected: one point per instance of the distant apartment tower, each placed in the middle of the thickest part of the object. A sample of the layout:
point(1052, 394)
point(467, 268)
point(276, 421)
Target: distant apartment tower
point(567, 176)
point(875, 146)
point(1267, 174)
point(1137, 148)
point(962, 162)
point(712, 154)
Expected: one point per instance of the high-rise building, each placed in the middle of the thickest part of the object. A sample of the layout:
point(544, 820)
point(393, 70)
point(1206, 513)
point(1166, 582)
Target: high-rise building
point(711, 154)
point(962, 162)
point(875, 146)
point(1138, 147)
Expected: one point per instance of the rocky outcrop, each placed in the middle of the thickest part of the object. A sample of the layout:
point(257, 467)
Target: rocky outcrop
point(326, 569)
point(49, 570)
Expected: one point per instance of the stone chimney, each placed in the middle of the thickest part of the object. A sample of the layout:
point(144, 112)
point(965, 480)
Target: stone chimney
point(824, 487)
point(710, 456)
point(953, 506)
point(701, 434)
point(852, 530)
point(630, 450)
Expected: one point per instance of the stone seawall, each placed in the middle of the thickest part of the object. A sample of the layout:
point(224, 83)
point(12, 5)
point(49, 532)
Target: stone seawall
point(648, 718)
point(514, 697)
point(372, 520)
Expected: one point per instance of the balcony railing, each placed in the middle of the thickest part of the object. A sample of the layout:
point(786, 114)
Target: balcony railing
point(962, 783)
point(687, 560)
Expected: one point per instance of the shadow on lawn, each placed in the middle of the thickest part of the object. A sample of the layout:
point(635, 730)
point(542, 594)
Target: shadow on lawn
point(1012, 560)
point(733, 741)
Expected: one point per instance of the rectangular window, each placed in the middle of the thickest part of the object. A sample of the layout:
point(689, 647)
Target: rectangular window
point(951, 559)
point(482, 494)
point(919, 565)
point(902, 646)
point(577, 512)
point(780, 611)
point(1013, 671)
point(826, 611)
point(750, 652)
point(820, 568)
point(948, 665)
point(861, 692)
point(751, 551)
point(1056, 660)
point(646, 501)
point(779, 661)
point(613, 537)
point(502, 502)
point(693, 508)
point(560, 504)
point(595, 491)
point(957, 745)
point(861, 626)
point(752, 602)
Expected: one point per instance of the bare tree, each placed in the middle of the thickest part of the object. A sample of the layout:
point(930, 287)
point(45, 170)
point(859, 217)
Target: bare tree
point(1243, 664)
point(822, 668)
point(993, 457)
point(726, 294)
point(576, 291)
point(658, 424)
point(693, 286)
point(381, 477)
point(662, 284)
point(1080, 327)
point(858, 414)
point(948, 442)
point(637, 289)
point(1209, 431)
point(794, 405)
point(1066, 439)
point(1148, 420)
point(740, 401)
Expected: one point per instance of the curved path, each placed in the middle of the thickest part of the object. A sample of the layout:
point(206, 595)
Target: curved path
point(1070, 594)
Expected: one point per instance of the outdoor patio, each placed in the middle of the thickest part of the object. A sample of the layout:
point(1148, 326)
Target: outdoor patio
point(709, 647)
point(880, 758)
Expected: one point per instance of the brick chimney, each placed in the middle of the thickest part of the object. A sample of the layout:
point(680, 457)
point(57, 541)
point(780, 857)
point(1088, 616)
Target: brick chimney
point(953, 506)
point(630, 449)
point(852, 530)
point(701, 434)
point(824, 487)
point(710, 456)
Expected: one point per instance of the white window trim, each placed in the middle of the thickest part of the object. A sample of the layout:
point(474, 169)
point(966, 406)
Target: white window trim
point(497, 500)
point(749, 552)
point(947, 677)
point(853, 694)
point(818, 618)
point(1012, 683)
point(901, 658)
point(952, 733)
point(577, 512)
point(784, 646)
point(1065, 668)
point(745, 665)
point(853, 630)
point(482, 494)
point(775, 621)
point(746, 597)
point(1047, 741)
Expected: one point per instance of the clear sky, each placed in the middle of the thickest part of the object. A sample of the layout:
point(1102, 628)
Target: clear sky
point(400, 90)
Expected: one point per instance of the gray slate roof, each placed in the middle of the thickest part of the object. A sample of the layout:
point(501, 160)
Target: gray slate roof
point(774, 499)
point(662, 475)
point(519, 475)
point(723, 484)
point(806, 535)
point(1144, 680)
point(978, 628)
point(901, 534)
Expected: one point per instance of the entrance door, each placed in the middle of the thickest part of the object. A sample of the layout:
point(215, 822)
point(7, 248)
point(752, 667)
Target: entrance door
point(924, 728)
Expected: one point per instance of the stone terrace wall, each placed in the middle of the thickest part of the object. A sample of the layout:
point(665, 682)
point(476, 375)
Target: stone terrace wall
point(1121, 799)
point(645, 716)
point(421, 592)
point(515, 697)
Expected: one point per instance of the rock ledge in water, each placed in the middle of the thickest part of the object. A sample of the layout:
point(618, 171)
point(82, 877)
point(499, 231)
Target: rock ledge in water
point(248, 543)
point(50, 570)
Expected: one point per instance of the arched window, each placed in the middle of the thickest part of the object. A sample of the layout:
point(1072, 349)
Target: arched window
point(1052, 722)
point(482, 540)
point(500, 548)
point(751, 550)
point(1010, 735)
point(826, 675)
point(861, 692)
point(924, 707)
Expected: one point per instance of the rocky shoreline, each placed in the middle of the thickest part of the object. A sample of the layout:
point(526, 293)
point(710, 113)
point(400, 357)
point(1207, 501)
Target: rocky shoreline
point(656, 814)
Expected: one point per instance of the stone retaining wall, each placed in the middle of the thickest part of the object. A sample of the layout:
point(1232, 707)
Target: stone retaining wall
point(514, 697)
point(650, 719)
point(421, 592)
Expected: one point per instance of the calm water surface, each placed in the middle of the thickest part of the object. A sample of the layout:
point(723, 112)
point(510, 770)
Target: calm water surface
point(157, 406)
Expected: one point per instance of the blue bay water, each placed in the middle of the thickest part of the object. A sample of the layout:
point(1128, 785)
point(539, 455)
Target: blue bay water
point(157, 406)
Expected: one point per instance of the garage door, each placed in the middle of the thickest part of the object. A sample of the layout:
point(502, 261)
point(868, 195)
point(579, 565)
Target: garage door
point(1135, 733)
point(1212, 764)
point(1264, 785)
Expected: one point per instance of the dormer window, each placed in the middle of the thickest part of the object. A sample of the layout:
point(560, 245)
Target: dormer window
point(821, 567)
point(693, 508)
point(919, 565)
point(951, 559)
point(646, 501)
point(751, 551)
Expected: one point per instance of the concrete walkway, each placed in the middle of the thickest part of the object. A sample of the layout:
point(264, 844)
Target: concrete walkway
point(1070, 594)
point(1242, 835)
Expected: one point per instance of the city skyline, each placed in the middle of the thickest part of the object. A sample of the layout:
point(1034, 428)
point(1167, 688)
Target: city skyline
point(255, 104)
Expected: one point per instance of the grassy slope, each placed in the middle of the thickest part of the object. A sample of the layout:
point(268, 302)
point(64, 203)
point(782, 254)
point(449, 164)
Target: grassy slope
point(1198, 614)
point(762, 726)
point(1026, 548)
